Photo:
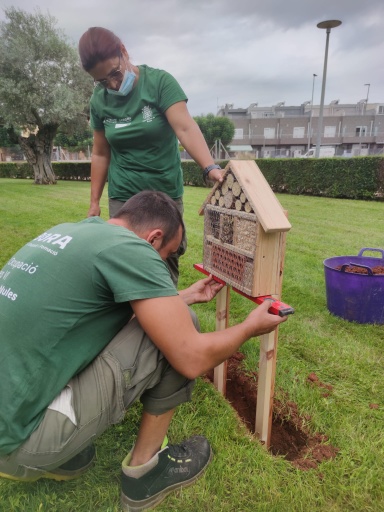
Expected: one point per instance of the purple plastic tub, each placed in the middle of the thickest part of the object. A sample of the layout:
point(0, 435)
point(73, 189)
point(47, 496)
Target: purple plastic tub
point(355, 297)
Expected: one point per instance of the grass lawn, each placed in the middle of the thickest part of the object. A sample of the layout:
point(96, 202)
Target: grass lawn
point(243, 476)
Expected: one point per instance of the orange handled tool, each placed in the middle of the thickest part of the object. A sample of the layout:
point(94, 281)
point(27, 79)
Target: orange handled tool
point(277, 307)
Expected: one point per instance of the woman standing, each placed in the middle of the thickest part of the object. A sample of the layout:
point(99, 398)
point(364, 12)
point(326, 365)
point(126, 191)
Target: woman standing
point(138, 115)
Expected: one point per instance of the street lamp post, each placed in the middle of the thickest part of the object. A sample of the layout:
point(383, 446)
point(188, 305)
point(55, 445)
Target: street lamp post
point(310, 115)
point(366, 101)
point(329, 24)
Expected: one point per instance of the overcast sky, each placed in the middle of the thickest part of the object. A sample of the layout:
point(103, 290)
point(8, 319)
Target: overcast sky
point(241, 51)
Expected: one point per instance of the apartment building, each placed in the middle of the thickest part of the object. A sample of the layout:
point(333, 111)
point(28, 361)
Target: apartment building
point(288, 131)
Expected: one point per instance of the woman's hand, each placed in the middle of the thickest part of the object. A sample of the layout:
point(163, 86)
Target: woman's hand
point(216, 175)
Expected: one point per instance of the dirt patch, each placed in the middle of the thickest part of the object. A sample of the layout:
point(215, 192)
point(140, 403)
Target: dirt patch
point(290, 437)
point(355, 269)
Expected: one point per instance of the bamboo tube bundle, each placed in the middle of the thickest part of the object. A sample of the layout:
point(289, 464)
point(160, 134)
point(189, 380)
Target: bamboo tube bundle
point(226, 229)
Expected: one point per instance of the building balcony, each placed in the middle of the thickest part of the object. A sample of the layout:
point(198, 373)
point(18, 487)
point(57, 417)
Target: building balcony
point(289, 140)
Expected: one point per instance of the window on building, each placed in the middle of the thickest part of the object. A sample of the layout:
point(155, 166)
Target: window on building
point(269, 133)
point(330, 131)
point(380, 110)
point(238, 133)
point(361, 131)
point(298, 132)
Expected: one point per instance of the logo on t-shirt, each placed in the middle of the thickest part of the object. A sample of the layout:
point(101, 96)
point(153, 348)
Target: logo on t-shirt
point(147, 114)
point(119, 123)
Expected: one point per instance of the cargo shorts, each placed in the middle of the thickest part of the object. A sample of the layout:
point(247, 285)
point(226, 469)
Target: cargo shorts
point(131, 367)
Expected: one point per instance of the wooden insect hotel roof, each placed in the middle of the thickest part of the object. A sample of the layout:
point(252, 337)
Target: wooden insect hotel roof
point(257, 195)
point(244, 230)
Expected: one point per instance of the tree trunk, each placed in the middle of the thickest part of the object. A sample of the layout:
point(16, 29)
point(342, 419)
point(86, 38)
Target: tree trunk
point(37, 149)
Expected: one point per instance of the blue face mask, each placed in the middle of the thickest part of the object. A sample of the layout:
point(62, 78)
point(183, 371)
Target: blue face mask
point(126, 85)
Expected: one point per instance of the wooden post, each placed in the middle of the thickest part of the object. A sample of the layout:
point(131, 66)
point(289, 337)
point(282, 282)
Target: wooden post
point(222, 317)
point(267, 368)
point(266, 387)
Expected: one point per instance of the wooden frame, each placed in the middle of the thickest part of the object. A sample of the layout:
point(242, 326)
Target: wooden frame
point(245, 196)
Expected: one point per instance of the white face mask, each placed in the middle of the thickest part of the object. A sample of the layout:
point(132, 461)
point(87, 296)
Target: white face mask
point(126, 85)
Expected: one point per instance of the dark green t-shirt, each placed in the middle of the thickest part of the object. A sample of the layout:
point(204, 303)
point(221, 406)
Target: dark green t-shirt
point(144, 148)
point(63, 297)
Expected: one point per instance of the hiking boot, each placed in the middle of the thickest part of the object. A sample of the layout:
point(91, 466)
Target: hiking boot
point(174, 466)
point(75, 467)
point(70, 470)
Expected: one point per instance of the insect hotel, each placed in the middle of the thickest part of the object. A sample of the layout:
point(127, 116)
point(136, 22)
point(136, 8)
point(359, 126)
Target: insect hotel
point(245, 229)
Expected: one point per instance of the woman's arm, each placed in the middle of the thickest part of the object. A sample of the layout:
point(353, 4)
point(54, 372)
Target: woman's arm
point(190, 136)
point(101, 156)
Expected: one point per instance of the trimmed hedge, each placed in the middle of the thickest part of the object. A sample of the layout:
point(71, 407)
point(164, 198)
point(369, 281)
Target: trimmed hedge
point(78, 170)
point(350, 178)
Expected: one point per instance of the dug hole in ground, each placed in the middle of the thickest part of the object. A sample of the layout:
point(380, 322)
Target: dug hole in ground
point(289, 438)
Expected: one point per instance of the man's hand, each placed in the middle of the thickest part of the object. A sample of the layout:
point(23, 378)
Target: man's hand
point(259, 321)
point(203, 290)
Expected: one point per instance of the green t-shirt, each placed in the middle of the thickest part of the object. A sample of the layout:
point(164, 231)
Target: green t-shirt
point(63, 297)
point(144, 148)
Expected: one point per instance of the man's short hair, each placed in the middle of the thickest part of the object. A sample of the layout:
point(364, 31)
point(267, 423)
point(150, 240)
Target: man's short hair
point(152, 209)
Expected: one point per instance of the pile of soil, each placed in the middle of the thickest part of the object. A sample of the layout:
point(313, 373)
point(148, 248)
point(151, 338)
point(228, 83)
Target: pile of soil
point(289, 437)
point(378, 270)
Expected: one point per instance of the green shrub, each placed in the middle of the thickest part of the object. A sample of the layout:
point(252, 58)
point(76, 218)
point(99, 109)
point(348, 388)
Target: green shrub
point(350, 178)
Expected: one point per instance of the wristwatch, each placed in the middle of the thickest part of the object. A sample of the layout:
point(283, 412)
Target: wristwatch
point(208, 169)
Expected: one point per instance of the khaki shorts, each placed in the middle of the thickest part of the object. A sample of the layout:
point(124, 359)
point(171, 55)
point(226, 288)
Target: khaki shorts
point(129, 368)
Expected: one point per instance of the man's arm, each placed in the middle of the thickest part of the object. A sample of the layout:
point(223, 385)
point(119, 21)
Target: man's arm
point(167, 321)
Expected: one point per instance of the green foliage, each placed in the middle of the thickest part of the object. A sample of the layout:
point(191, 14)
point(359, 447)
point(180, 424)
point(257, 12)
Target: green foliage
point(72, 170)
point(62, 170)
point(352, 178)
point(41, 82)
point(216, 128)
point(8, 138)
point(79, 140)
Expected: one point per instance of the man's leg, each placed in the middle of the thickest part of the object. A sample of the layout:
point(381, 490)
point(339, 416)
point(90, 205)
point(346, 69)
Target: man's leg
point(130, 367)
point(152, 432)
point(146, 480)
point(154, 468)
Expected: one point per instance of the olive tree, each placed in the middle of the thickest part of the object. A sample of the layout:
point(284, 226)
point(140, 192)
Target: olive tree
point(42, 85)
